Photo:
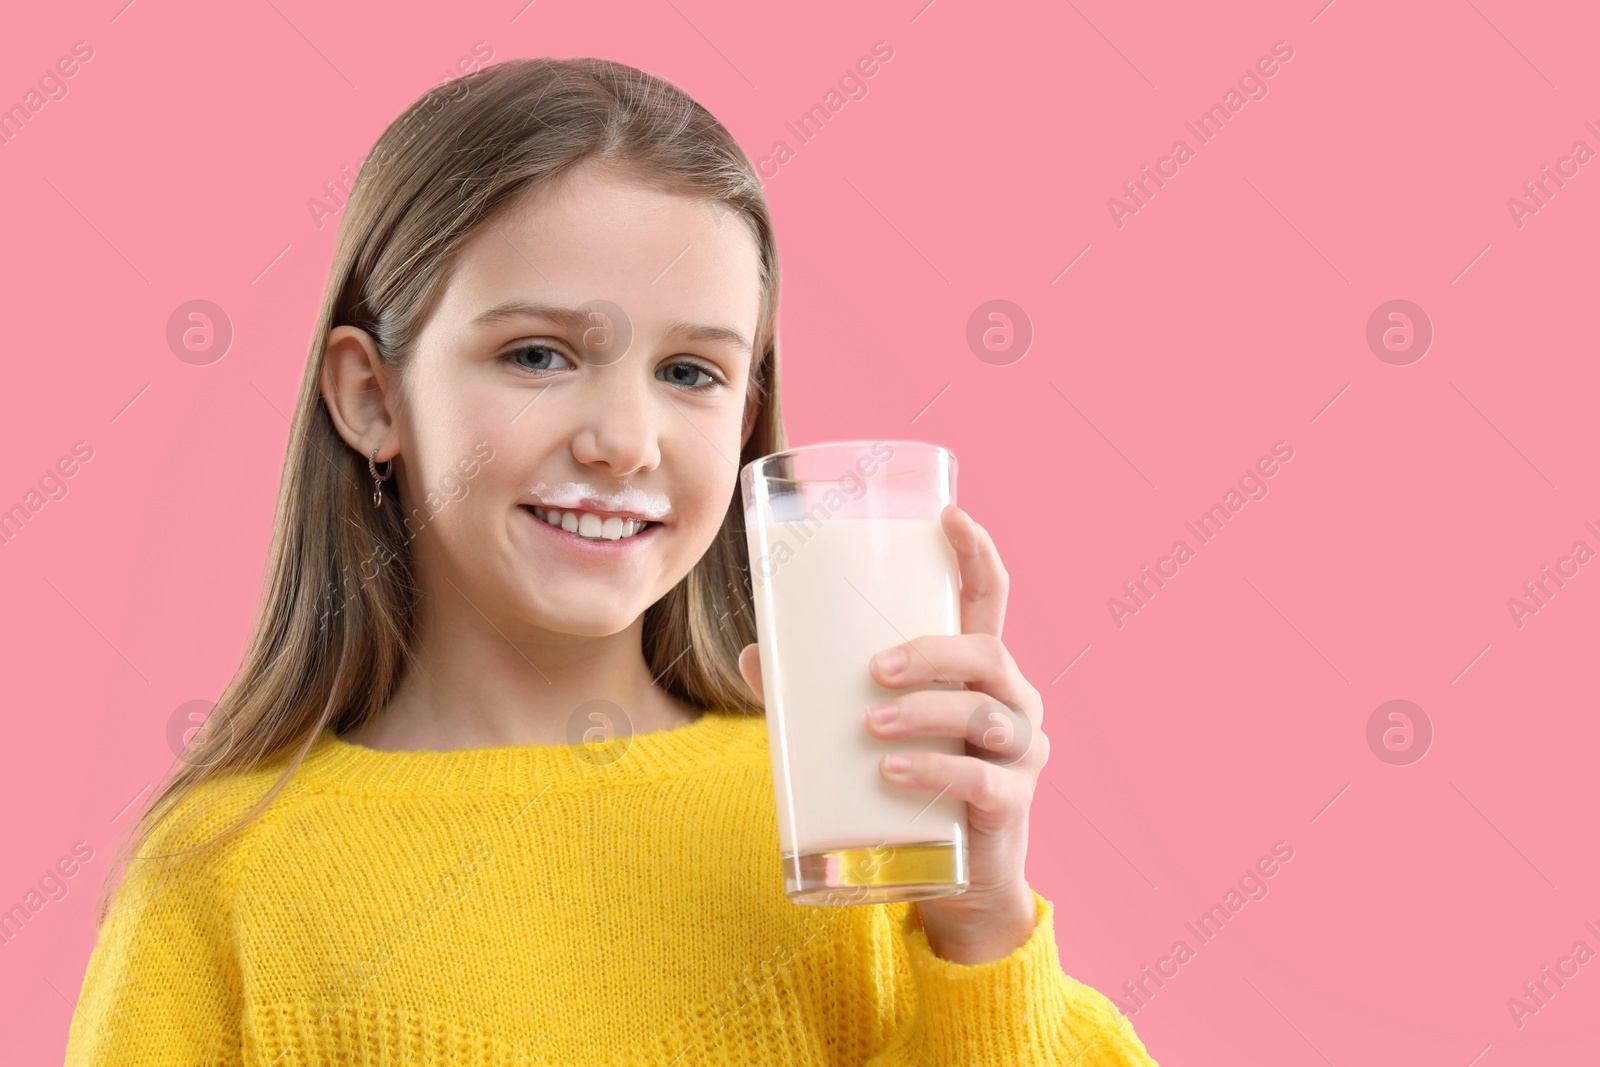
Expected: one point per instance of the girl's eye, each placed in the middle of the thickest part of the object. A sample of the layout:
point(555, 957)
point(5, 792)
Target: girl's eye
point(539, 352)
point(688, 381)
point(684, 373)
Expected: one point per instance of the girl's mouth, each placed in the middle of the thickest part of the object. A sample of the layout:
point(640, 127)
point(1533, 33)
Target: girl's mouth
point(596, 533)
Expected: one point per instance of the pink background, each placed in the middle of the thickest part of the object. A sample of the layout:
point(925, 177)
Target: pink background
point(1229, 313)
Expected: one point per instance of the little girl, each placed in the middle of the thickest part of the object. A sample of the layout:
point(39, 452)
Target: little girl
point(509, 526)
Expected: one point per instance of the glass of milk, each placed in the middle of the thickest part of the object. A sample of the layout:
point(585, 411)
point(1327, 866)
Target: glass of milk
point(847, 558)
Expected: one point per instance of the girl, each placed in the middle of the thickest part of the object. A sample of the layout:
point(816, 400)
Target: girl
point(509, 521)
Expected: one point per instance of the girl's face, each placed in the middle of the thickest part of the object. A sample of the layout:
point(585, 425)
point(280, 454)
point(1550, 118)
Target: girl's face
point(597, 338)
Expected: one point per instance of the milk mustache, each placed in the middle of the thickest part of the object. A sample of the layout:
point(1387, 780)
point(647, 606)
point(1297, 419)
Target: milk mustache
point(829, 595)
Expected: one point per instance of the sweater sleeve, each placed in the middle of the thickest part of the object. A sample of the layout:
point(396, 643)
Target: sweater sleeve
point(1021, 1010)
point(162, 987)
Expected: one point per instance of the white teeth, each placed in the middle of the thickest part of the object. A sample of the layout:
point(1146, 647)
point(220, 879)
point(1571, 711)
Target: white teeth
point(586, 524)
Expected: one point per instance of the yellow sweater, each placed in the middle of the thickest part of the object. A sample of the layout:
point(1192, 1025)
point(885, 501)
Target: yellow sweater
point(527, 906)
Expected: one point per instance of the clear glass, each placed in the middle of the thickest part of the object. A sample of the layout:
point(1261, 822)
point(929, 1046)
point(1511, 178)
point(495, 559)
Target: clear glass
point(847, 558)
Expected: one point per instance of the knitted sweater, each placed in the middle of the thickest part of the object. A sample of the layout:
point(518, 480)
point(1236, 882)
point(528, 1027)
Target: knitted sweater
point(529, 906)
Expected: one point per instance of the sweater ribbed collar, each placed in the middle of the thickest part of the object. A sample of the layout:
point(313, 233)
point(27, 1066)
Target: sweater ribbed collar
point(337, 765)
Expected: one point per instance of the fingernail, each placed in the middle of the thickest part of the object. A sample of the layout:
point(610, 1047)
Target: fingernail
point(897, 764)
point(893, 661)
point(882, 713)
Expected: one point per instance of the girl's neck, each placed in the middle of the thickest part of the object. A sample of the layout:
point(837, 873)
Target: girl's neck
point(472, 687)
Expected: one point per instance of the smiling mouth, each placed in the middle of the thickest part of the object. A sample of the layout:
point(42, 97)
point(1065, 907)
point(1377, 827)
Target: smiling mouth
point(590, 526)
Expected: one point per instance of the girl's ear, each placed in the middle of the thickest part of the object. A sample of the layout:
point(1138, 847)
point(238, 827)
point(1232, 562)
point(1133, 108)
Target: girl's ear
point(357, 390)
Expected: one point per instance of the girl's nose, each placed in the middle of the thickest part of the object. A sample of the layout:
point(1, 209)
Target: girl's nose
point(619, 433)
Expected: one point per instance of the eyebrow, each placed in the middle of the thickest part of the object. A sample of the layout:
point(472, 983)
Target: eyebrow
point(577, 319)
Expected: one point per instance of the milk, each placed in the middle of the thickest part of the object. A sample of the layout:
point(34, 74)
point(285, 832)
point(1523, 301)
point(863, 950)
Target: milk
point(829, 595)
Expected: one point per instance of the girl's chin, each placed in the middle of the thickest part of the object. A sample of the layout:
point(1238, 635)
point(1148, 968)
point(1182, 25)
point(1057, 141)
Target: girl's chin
point(581, 612)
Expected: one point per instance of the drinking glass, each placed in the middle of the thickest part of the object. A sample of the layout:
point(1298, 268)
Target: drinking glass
point(847, 558)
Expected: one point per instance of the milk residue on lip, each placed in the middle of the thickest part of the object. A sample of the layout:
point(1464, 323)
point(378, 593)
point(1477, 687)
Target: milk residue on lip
point(628, 498)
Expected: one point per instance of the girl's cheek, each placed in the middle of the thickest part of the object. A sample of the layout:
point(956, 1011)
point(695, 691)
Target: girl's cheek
point(475, 461)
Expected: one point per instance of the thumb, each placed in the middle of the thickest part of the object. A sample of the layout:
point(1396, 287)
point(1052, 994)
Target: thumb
point(750, 668)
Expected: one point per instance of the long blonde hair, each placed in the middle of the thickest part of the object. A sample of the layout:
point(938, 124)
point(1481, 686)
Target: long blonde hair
point(461, 153)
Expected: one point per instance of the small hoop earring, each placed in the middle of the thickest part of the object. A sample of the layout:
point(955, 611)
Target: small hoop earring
point(378, 479)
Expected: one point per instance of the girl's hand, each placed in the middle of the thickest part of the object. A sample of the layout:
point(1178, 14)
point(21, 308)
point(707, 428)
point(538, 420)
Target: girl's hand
point(1001, 716)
